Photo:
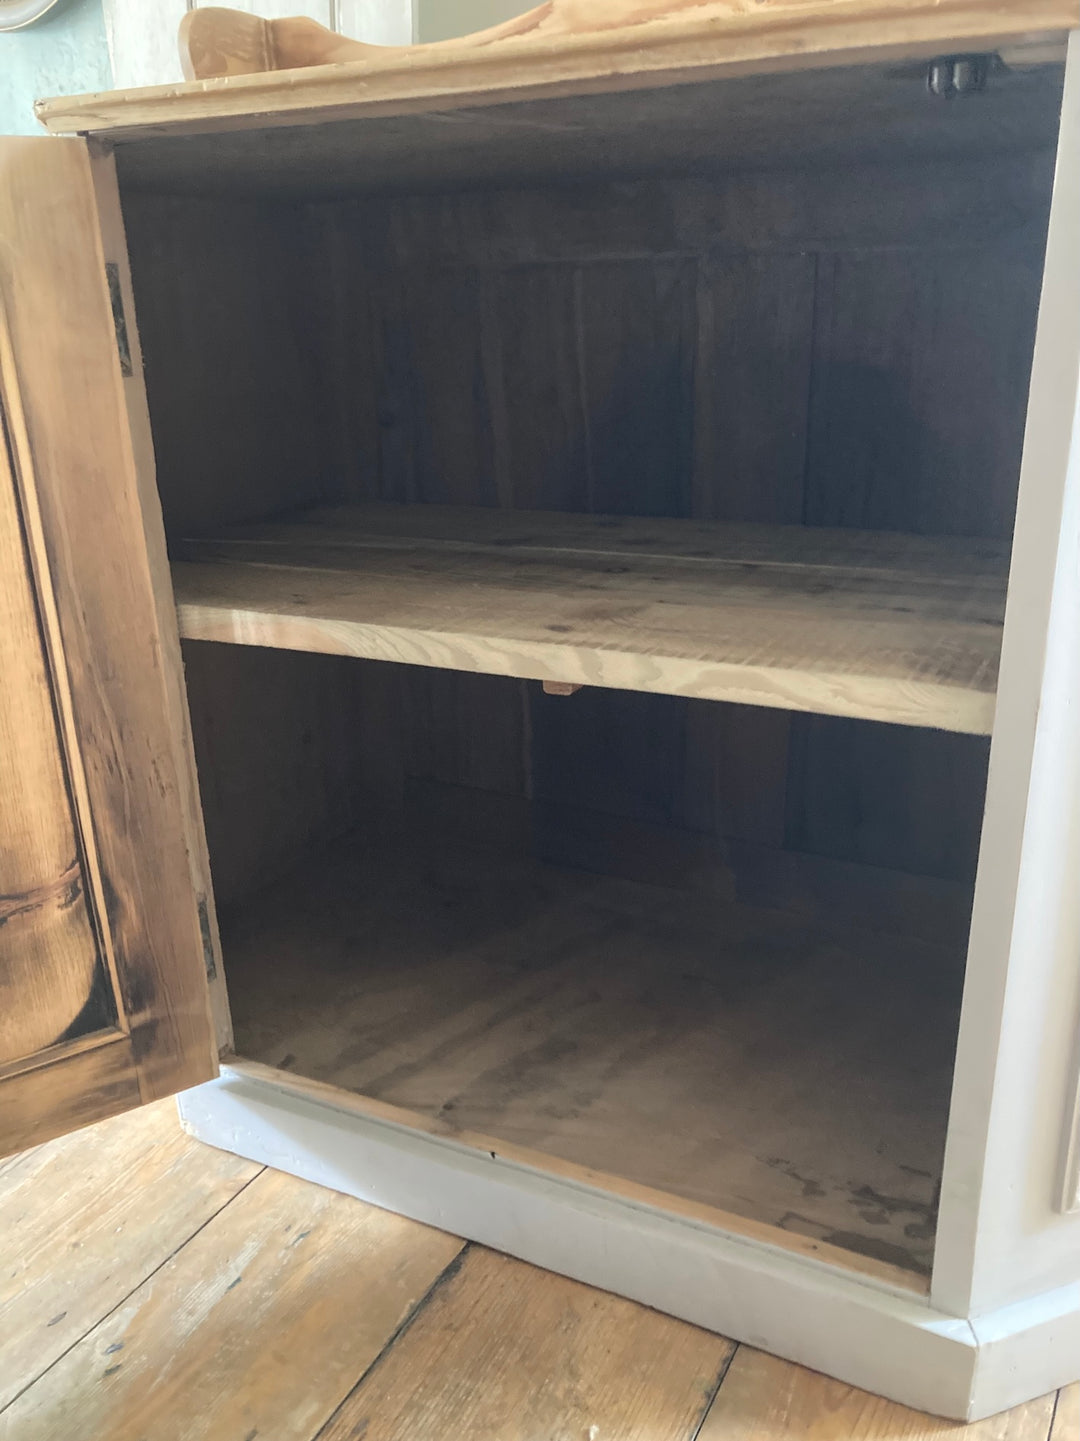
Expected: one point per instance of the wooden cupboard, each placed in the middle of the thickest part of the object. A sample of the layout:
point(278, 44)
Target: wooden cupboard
point(576, 532)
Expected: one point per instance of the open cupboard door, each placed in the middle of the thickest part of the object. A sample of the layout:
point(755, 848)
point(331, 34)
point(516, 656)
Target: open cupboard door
point(106, 932)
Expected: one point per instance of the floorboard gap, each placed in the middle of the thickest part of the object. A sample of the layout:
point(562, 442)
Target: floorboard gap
point(442, 1279)
point(711, 1398)
point(128, 1295)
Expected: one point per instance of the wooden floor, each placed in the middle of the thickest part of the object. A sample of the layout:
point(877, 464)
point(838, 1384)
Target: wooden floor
point(154, 1289)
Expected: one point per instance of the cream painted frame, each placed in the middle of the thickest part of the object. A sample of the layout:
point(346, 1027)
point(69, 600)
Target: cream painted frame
point(1004, 1232)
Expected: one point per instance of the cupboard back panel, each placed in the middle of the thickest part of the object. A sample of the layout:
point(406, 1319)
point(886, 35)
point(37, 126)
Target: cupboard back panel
point(234, 371)
point(848, 347)
point(845, 348)
point(292, 750)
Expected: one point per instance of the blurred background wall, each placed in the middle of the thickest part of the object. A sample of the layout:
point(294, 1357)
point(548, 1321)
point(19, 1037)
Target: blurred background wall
point(65, 51)
point(439, 19)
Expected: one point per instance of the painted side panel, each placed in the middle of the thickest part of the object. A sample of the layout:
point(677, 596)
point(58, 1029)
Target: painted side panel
point(1002, 1235)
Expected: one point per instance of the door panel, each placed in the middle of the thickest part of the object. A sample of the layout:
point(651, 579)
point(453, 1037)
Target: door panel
point(50, 964)
point(103, 908)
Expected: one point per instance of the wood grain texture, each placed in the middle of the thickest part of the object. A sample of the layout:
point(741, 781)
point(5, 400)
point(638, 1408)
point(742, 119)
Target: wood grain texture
point(215, 41)
point(429, 334)
point(728, 127)
point(203, 276)
point(260, 1324)
point(1067, 1415)
point(764, 379)
point(142, 40)
point(292, 750)
point(630, 207)
point(752, 369)
point(462, 729)
point(539, 430)
point(225, 334)
point(668, 1037)
point(843, 623)
point(97, 553)
point(689, 846)
point(49, 958)
point(658, 348)
point(137, 415)
point(558, 48)
point(891, 417)
point(639, 418)
point(50, 1194)
point(766, 1399)
point(502, 1350)
point(743, 801)
point(866, 794)
point(86, 1223)
point(405, 338)
point(72, 1088)
point(890, 420)
point(632, 774)
point(354, 1109)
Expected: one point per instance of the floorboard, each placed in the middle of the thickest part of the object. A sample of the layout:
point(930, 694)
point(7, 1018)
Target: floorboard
point(258, 1326)
point(256, 1331)
point(84, 1222)
point(765, 1399)
point(1067, 1415)
point(502, 1340)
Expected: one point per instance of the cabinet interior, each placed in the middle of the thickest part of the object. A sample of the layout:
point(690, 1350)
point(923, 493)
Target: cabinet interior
point(701, 925)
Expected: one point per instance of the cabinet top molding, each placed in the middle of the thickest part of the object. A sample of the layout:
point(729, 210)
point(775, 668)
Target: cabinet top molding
point(246, 72)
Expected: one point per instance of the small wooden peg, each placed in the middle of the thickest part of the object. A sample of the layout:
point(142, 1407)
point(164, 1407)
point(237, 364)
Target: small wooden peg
point(560, 687)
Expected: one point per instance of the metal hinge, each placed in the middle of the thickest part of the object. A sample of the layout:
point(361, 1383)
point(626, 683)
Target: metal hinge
point(207, 939)
point(116, 301)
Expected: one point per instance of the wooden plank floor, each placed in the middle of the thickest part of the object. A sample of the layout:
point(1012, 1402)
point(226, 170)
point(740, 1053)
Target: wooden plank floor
point(151, 1287)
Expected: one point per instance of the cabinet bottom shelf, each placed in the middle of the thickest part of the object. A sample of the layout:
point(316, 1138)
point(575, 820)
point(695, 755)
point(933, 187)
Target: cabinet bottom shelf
point(733, 1056)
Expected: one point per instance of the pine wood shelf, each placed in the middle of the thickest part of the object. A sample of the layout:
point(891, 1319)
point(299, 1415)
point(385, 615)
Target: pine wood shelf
point(880, 626)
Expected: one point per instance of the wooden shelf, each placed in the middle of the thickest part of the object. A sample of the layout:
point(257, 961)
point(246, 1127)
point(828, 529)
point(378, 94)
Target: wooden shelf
point(881, 626)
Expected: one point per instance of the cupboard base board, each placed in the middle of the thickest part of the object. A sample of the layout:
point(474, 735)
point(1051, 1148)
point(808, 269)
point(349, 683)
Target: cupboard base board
point(794, 1072)
point(866, 1330)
